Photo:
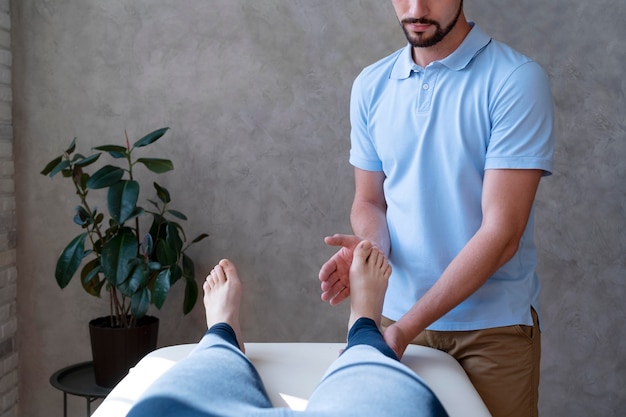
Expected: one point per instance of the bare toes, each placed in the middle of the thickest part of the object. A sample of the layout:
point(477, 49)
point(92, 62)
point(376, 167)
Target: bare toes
point(229, 270)
point(363, 250)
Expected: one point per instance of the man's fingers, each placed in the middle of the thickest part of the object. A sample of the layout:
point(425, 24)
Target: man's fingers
point(334, 240)
point(327, 269)
point(327, 286)
point(334, 274)
point(340, 296)
point(340, 240)
point(334, 290)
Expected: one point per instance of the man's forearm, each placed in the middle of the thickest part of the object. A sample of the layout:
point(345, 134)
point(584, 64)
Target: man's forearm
point(507, 201)
point(487, 251)
point(369, 222)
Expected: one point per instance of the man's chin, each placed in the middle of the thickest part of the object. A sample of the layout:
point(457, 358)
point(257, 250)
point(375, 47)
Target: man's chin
point(421, 39)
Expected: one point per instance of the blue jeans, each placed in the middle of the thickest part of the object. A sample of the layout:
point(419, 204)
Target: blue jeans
point(218, 380)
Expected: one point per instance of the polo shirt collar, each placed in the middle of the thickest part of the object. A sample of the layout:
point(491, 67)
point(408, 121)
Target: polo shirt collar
point(473, 43)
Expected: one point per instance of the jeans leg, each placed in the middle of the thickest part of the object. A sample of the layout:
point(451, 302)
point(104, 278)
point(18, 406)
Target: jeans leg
point(365, 332)
point(216, 379)
point(366, 381)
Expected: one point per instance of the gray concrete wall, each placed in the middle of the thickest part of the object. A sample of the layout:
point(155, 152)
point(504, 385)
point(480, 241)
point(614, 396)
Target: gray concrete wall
point(256, 94)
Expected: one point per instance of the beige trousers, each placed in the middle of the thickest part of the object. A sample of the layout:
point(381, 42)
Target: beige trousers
point(502, 363)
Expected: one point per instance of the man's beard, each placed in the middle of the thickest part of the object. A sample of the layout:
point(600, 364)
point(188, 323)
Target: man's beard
point(418, 41)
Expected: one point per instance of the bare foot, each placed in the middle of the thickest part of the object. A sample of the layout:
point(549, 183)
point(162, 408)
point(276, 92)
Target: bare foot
point(369, 274)
point(222, 297)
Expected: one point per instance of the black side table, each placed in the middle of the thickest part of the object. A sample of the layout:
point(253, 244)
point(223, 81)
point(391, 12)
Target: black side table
point(78, 380)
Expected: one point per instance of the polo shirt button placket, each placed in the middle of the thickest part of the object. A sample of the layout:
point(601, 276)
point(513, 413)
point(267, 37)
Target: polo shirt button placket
point(428, 84)
point(417, 75)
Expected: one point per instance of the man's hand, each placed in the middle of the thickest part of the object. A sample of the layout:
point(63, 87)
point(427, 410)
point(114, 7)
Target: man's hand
point(335, 273)
point(396, 339)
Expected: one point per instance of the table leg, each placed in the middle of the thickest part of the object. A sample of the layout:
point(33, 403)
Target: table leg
point(90, 400)
point(64, 404)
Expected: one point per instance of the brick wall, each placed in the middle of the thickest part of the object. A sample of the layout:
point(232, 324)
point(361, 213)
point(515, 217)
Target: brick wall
point(8, 271)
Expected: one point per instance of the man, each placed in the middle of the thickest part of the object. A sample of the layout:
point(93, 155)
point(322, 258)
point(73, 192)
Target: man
point(450, 138)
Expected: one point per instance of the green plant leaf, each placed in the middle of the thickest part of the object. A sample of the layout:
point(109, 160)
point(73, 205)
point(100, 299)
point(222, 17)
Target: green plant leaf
point(116, 151)
point(83, 162)
point(122, 200)
point(173, 238)
point(82, 182)
point(191, 287)
point(157, 165)
point(191, 295)
point(140, 302)
point(189, 270)
point(67, 173)
point(150, 137)
point(123, 288)
point(105, 177)
point(178, 214)
point(138, 278)
point(147, 244)
point(77, 157)
point(154, 203)
point(81, 217)
point(90, 278)
point(90, 270)
point(117, 255)
point(162, 193)
point(50, 165)
point(157, 229)
point(136, 213)
point(177, 273)
point(165, 254)
point(200, 237)
point(70, 260)
point(71, 148)
point(61, 166)
point(161, 288)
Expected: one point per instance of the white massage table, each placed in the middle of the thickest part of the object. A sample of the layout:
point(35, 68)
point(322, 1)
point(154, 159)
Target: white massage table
point(291, 371)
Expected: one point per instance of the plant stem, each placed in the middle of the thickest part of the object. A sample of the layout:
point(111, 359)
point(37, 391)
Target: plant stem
point(130, 176)
point(83, 200)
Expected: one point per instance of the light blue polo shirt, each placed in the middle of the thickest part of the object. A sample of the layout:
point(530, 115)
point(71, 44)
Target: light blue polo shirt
point(434, 131)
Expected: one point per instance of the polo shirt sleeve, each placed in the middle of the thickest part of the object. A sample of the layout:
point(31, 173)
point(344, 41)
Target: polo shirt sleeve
point(363, 153)
point(522, 122)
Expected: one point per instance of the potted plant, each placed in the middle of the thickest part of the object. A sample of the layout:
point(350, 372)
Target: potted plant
point(134, 267)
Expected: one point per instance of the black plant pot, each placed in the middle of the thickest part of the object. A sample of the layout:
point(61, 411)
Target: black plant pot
point(115, 350)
